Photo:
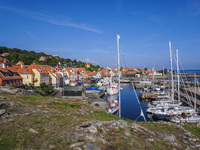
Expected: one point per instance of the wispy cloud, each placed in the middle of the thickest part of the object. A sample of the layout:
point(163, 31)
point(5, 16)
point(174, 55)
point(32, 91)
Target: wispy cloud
point(87, 60)
point(53, 18)
point(31, 35)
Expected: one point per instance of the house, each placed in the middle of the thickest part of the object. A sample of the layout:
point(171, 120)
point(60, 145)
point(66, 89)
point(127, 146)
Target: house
point(5, 62)
point(97, 76)
point(9, 76)
point(43, 58)
point(56, 79)
point(105, 72)
point(87, 65)
point(4, 54)
point(19, 63)
point(70, 73)
point(81, 73)
point(41, 74)
point(94, 74)
point(156, 73)
point(27, 74)
point(65, 63)
point(75, 74)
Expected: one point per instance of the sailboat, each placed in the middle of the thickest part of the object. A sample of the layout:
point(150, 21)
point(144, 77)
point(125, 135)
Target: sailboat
point(188, 117)
point(112, 88)
point(168, 109)
point(115, 106)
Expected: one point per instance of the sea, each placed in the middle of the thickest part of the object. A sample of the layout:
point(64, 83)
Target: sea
point(130, 105)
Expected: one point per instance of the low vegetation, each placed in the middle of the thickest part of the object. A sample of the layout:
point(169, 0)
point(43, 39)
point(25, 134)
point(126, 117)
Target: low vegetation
point(30, 57)
point(37, 122)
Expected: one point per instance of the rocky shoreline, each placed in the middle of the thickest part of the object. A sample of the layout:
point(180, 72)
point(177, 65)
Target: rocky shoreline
point(54, 123)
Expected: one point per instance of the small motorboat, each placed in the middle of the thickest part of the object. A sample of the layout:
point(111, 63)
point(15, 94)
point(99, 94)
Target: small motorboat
point(113, 107)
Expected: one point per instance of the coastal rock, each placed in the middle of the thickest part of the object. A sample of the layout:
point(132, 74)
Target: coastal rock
point(150, 140)
point(2, 111)
point(91, 138)
point(127, 133)
point(82, 112)
point(76, 144)
point(169, 138)
point(6, 104)
point(116, 124)
point(94, 123)
point(74, 136)
point(92, 146)
point(138, 128)
point(33, 131)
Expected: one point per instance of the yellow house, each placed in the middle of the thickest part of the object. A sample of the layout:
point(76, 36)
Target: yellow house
point(56, 79)
point(27, 75)
point(41, 74)
point(87, 65)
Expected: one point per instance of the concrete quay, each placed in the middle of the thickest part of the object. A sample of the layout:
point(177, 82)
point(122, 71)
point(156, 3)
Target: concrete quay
point(93, 98)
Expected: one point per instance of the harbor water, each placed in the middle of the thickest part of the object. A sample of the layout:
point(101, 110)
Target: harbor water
point(130, 108)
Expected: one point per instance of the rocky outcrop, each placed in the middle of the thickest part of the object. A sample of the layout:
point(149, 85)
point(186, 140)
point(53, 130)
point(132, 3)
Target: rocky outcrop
point(94, 132)
point(18, 91)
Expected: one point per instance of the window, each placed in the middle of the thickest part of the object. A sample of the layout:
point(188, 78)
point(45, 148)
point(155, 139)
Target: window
point(4, 82)
point(10, 82)
point(15, 74)
point(6, 74)
point(27, 76)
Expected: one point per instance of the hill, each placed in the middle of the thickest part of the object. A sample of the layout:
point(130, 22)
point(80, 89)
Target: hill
point(35, 122)
point(30, 57)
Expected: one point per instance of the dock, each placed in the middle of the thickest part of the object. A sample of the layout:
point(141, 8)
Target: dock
point(95, 100)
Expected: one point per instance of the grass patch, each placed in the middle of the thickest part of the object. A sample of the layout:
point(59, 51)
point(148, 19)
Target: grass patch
point(193, 129)
point(160, 127)
point(103, 116)
point(65, 105)
point(34, 98)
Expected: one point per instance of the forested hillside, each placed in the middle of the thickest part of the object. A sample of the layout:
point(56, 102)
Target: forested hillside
point(29, 57)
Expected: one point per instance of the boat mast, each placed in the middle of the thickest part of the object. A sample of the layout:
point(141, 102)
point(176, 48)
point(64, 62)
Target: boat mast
point(172, 82)
point(178, 77)
point(153, 78)
point(195, 92)
point(118, 37)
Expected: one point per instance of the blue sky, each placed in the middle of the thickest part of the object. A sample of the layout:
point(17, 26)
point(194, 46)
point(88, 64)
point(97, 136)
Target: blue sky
point(86, 30)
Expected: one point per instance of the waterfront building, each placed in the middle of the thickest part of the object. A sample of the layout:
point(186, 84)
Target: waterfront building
point(27, 74)
point(9, 76)
point(41, 74)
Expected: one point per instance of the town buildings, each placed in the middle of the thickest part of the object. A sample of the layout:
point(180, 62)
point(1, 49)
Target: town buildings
point(35, 74)
point(9, 76)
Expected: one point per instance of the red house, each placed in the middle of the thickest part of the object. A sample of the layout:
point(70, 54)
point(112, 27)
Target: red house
point(9, 76)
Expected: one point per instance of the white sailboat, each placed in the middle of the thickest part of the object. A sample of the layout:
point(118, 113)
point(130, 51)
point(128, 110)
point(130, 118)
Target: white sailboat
point(115, 106)
point(188, 117)
point(112, 88)
point(166, 111)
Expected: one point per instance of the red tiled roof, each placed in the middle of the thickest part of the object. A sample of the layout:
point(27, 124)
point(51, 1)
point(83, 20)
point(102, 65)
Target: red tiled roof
point(91, 73)
point(25, 71)
point(4, 70)
point(105, 72)
point(19, 63)
point(39, 68)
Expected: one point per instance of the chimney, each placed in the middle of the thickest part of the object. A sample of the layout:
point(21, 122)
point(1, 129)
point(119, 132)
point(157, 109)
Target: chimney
point(22, 65)
point(4, 66)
